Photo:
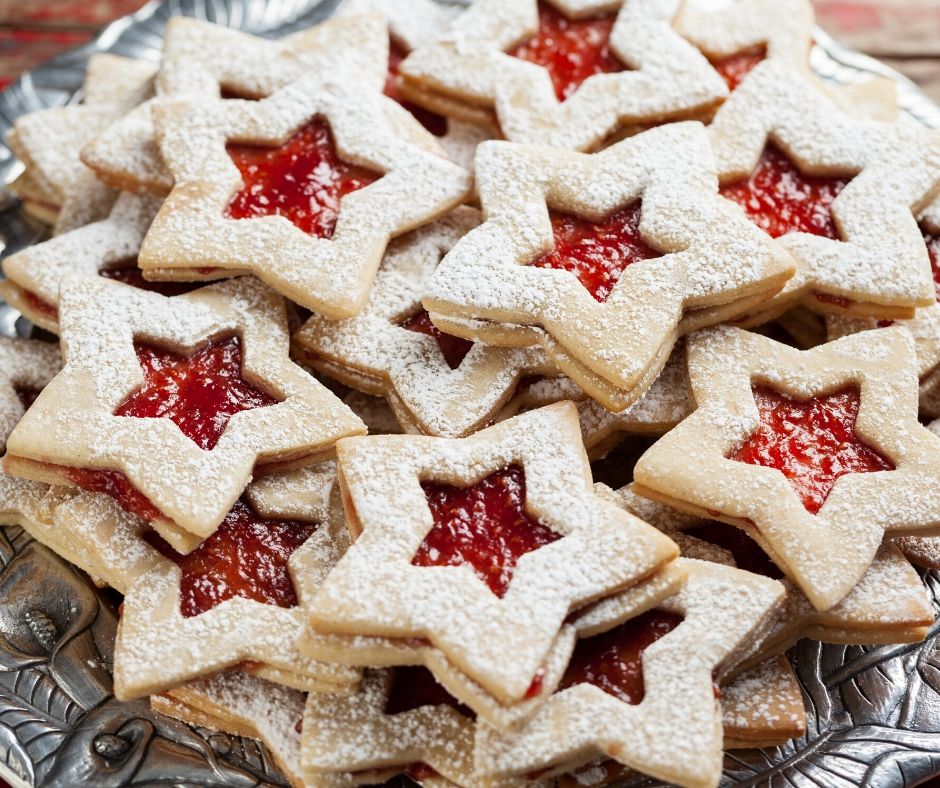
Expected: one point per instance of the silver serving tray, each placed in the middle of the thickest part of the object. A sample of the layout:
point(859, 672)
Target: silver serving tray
point(874, 713)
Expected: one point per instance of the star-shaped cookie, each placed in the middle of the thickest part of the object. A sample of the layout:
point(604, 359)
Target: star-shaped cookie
point(500, 56)
point(441, 384)
point(170, 404)
point(816, 453)
point(610, 256)
point(856, 243)
point(529, 475)
point(321, 248)
point(206, 60)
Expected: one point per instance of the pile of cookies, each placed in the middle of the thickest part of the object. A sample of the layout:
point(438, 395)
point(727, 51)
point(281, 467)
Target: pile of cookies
point(346, 317)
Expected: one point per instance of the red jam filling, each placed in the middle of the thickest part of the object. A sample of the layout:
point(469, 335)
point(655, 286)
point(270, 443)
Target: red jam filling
point(436, 124)
point(40, 305)
point(453, 348)
point(198, 393)
point(736, 67)
point(302, 180)
point(413, 687)
point(746, 552)
point(484, 527)
point(780, 199)
point(127, 272)
point(118, 486)
point(571, 50)
point(246, 557)
point(812, 442)
point(597, 253)
point(613, 661)
point(420, 772)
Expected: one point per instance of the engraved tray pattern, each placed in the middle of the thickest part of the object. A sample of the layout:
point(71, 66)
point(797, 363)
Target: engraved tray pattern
point(874, 713)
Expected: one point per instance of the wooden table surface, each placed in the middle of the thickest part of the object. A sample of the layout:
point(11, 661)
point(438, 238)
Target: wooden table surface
point(904, 33)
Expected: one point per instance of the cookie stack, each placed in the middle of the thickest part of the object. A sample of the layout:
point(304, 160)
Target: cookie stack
point(345, 318)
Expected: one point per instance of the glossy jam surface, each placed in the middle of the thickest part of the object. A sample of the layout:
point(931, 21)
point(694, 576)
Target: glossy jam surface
point(613, 661)
point(746, 552)
point(302, 180)
point(597, 253)
point(118, 486)
point(415, 686)
point(571, 50)
point(128, 273)
point(246, 557)
point(736, 67)
point(812, 442)
point(436, 124)
point(454, 349)
point(198, 393)
point(484, 527)
point(780, 199)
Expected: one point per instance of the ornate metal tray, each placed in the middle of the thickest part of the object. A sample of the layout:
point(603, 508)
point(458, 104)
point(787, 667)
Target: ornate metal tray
point(874, 713)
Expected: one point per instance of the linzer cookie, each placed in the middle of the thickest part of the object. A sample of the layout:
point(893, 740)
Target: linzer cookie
point(815, 453)
point(241, 595)
point(26, 367)
point(813, 178)
point(170, 404)
point(106, 248)
point(644, 692)
point(603, 253)
point(304, 188)
point(48, 142)
point(205, 60)
point(562, 73)
point(443, 385)
point(888, 605)
point(528, 477)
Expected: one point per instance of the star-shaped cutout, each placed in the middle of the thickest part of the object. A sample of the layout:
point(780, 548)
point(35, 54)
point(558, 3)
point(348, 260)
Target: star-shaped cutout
point(736, 38)
point(888, 605)
point(541, 68)
point(329, 272)
point(48, 141)
point(147, 460)
point(547, 583)
point(441, 384)
point(206, 60)
point(826, 552)
point(26, 367)
point(643, 691)
point(710, 261)
point(814, 175)
point(241, 596)
point(105, 248)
